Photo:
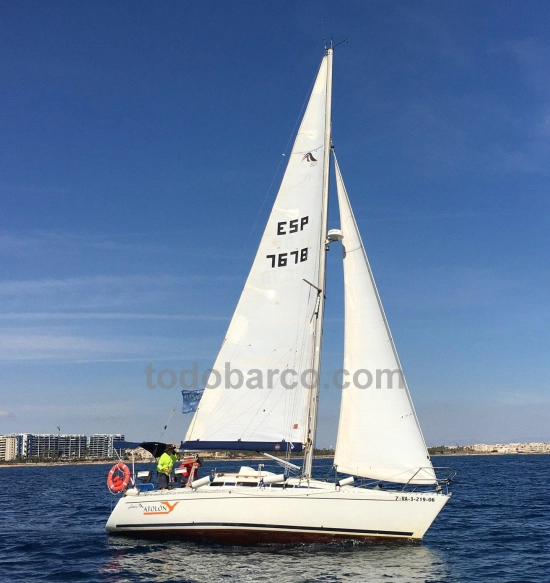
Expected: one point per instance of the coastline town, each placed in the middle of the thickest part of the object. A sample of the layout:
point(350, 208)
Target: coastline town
point(494, 448)
point(62, 447)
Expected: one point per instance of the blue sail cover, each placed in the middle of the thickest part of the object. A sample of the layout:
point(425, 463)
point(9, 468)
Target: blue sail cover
point(126, 444)
point(282, 446)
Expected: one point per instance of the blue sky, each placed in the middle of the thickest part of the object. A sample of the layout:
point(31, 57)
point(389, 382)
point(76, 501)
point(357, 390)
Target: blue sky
point(141, 148)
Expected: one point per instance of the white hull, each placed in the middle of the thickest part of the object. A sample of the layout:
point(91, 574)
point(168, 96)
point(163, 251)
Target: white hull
point(237, 515)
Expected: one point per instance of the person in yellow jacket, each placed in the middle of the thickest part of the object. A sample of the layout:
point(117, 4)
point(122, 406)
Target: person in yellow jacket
point(165, 465)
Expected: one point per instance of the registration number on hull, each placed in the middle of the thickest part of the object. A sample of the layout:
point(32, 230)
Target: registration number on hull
point(415, 498)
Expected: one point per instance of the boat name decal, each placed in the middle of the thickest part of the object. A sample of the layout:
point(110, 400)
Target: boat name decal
point(162, 507)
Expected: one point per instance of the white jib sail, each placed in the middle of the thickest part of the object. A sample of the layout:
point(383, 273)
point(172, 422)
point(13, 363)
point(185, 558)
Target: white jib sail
point(378, 434)
point(269, 340)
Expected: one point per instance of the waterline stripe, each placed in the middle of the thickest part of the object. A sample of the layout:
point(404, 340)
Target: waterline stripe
point(263, 526)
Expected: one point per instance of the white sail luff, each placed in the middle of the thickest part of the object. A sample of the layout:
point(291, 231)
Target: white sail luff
point(318, 334)
point(378, 434)
point(273, 325)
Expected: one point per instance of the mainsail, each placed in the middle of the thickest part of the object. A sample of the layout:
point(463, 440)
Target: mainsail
point(378, 435)
point(257, 395)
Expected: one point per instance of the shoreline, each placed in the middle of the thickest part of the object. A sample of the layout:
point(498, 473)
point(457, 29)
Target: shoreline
point(234, 460)
point(111, 462)
point(488, 453)
point(51, 464)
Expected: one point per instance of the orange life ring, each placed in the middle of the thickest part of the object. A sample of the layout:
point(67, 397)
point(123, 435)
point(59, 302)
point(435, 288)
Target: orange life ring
point(114, 482)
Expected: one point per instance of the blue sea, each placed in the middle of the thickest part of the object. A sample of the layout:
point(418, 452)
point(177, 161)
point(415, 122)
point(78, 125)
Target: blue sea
point(495, 528)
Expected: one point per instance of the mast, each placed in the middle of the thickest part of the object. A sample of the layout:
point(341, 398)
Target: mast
point(318, 339)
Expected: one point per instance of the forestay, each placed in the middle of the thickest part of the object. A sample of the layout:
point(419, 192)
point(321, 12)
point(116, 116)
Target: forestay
point(378, 435)
point(272, 327)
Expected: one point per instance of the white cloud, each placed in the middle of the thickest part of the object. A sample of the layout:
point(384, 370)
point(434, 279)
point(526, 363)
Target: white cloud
point(35, 243)
point(103, 292)
point(66, 345)
point(34, 316)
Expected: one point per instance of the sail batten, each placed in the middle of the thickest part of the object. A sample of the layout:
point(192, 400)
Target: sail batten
point(268, 345)
point(379, 435)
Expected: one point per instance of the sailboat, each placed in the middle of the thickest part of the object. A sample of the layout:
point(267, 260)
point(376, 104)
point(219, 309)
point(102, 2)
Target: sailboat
point(262, 393)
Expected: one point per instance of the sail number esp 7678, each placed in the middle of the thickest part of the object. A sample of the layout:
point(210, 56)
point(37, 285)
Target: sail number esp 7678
point(299, 255)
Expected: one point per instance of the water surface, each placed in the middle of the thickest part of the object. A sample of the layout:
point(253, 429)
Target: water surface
point(495, 528)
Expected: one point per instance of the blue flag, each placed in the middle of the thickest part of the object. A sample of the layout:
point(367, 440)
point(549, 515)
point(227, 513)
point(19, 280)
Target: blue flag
point(191, 400)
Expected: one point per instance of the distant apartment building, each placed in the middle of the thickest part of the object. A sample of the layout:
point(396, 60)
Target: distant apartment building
point(42, 445)
point(23, 443)
point(51, 445)
point(100, 445)
point(73, 446)
point(8, 448)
